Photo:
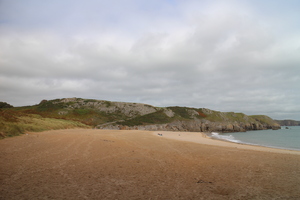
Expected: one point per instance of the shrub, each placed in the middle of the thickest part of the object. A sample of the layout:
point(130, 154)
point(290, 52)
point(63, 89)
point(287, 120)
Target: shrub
point(49, 106)
point(5, 105)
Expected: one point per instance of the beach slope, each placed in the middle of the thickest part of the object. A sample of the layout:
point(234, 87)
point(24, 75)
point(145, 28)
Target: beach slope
point(108, 164)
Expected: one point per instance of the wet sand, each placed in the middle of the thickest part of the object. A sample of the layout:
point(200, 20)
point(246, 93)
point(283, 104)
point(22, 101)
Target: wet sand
point(108, 164)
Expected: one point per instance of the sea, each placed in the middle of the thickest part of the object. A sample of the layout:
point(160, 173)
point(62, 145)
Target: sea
point(288, 137)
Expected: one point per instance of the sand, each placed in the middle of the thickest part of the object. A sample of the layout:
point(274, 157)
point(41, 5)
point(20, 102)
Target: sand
point(201, 138)
point(107, 164)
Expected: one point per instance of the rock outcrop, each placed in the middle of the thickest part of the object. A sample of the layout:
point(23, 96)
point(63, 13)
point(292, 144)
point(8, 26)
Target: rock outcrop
point(127, 109)
point(121, 115)
point(288, 122)
point(204, 120)
point(196, 125)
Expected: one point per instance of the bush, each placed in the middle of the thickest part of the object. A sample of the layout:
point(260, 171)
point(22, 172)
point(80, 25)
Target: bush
point(5, 105)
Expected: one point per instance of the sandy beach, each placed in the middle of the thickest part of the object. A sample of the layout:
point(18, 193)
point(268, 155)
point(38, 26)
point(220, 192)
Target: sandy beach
point(110, 164)
point(202, 138)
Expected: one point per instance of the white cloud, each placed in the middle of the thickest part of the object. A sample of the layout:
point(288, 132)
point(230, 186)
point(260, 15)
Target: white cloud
point(202, 54)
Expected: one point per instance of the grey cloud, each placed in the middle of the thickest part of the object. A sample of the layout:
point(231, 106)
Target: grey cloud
point(226, 59)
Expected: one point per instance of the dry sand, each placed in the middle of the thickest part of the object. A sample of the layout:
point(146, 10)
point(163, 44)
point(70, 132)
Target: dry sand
point(106, 164)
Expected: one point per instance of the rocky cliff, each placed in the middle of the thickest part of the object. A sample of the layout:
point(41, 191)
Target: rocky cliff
point(108, 107)
point(199, 125)
point(121, 115)
point(77, 112)
point(288, 122)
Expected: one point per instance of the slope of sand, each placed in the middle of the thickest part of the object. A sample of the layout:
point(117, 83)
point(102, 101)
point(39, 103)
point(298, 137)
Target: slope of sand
point(106, 164)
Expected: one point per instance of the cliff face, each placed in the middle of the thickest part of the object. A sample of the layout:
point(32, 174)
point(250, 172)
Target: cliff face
point(108, 107)
point(197, 125)
point(288, 122)
point(77, 112)
point(194, 120)
point(121, 115)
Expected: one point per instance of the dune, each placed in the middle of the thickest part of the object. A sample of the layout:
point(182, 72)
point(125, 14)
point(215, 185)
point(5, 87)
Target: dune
point(111, 164)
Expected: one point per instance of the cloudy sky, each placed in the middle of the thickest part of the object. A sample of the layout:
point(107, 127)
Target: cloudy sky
point(226, 55)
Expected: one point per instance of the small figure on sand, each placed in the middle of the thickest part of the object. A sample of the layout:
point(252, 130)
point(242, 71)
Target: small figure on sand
point(159, 134)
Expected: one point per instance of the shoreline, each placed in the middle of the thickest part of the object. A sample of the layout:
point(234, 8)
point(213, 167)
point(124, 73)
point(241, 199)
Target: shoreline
point(202, 138)
point(251, 144)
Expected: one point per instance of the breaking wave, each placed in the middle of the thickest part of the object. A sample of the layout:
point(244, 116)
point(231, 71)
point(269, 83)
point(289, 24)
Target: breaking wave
point(225, 137)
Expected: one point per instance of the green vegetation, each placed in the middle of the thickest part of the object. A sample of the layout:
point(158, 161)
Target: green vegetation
point(181, 112)
point(14, 123)
point(81, 111)
point(158, 117)
point(107, 103)
point(48, 106)
point(263, 119)
point(53, 114)
point(89, 100)
point(226, 116)
point(77, 112)
point(5, 105)
point(59, 110)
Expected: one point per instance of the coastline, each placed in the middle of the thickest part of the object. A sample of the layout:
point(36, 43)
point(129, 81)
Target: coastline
point(202, 138)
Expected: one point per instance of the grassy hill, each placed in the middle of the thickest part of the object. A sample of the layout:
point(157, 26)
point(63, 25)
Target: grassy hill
point(15, 122)
point(88, 113)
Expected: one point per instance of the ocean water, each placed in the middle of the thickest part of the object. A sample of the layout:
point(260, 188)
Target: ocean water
point(282, 139)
